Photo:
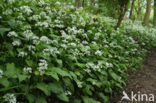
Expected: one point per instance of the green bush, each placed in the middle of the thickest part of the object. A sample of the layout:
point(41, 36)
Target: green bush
point(53, 53)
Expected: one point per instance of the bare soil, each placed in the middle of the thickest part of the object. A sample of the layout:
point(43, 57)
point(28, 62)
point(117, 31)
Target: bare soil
point(141, 82)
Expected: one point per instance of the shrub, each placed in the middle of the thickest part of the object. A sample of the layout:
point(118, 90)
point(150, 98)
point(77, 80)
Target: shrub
point(52, 52)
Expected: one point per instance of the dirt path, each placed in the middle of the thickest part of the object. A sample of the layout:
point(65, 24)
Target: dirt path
point(142, 82)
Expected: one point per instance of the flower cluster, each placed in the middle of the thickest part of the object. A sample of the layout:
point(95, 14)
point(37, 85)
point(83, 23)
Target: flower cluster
point(10, 98)
point(98, 53)
point(11, 1)
point(42, 66)
point(16, 43)
point(92, 66)
point(79, 84)
point(1, 73)
point(26, 10)
point(50, 51)
point(68, 93)
point(22, 54)
point(69, 40)
point(27, 69)
point(12, 34)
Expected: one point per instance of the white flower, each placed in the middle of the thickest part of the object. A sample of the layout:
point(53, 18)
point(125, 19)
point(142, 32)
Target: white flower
point(22, 54)
point(93, 82)
point(1, 73)
point(90, 31)
point(11, 1)
point(41, 2)
point(85, 35)
point(43, 14)
point(109, 65)
point(8, 12)
point(76, 52)
point(31, 48)
point(16, 43)
point(42, 66)
point(73, 44)
point(79, 84)
point(35, 17)
point(97, 36)
point(12, 34)
point(28, 34)
point(45, 39)
point(26, 27)
point(19, 22)
point(84, 42)
point(98, 53)
point(64, 46)
point(44, 24)
point(58, 3)
point(15, 9)
point(68, 92)
point(10, 98)
point(35, 40)
point(85, 49)
point(21, 17)
point(49, 51)
point(72, 30)
point(88, 70)
point(27, 69)
point(93, 67)
point(26, 9)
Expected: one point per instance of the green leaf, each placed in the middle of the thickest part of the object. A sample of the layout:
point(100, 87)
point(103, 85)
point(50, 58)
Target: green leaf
point(44, 88)
point(77, 101)
point(11, 72)
point(31, 98)
point(103, 97)
point(59, 61)
point(86, 99)
point(40, 100)
point(22, 77)
point(55, 88)
point(63, 97)
point(29, 62)
point(53, 75)
point(114, 75)
point(3, 30)
point(4, 82)
point(55, 70)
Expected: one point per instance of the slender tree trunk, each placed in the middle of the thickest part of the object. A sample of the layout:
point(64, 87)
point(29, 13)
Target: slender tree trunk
point(123, 9)
point(154, 18)
point(83, 3)
point(115, 13)
point(147, 14)
point(139, 12)
point(78, 3)
point(92, 2)
point(131, 11)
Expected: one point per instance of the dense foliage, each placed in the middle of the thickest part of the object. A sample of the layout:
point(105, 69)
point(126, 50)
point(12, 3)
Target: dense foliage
point(54, 53)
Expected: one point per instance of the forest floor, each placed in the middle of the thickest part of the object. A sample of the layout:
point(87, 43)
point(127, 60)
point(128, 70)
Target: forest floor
point(141, 82)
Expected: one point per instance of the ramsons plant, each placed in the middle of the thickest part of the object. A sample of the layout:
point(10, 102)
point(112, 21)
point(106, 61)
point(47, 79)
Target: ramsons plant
point(51, 52)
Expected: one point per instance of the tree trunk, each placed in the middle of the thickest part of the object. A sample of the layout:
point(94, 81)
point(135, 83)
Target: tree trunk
point(154, 18)
point(83, 3)
point(131, 11)
point(123, 9)
point(138, 10)
point(148, 11)
point(92, 2)
point(115, 13)
point(77, 3)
